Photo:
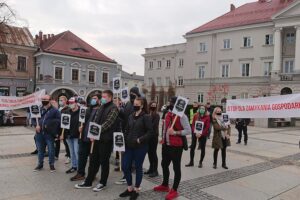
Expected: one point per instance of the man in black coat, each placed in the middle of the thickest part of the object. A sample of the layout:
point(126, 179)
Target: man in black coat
point(241, 125)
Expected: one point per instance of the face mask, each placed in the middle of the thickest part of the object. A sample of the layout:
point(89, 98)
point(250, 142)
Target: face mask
point(93, 102)
point(171, 107)
point(132, 97)
point(201, 111)
point(219, 114)
point(103, 101)
point(61, 103)
point(45, 103)
point(136, 108)
point(195, 109)
point(72, 106)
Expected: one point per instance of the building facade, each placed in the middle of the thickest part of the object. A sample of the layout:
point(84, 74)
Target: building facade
point(66, 65)
point(251, 51)
point(131, 80)
point(16, 61)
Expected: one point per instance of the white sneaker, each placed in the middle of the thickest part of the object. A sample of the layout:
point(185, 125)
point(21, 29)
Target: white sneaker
point(67, 161)
point(82, 185)
point(99, 187)
point(122, 181)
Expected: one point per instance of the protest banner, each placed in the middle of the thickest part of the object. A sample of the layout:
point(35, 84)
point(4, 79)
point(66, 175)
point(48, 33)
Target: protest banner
point(282, 106)
point(94, 133)
point(125, 94)
point(82, 113)
point(12, 102)
point(116, 84)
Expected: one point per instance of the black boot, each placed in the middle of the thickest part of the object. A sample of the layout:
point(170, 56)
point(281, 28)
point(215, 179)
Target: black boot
point(191, 164)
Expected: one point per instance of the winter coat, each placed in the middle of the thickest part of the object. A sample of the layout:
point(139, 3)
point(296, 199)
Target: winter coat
point(217, 142)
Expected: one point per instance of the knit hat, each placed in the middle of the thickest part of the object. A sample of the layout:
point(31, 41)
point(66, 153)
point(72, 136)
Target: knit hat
point(136, 91)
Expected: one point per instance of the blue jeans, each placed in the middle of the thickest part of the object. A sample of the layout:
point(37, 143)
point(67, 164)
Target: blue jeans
point(41, 141)
point(73, 146)
point(137, 156)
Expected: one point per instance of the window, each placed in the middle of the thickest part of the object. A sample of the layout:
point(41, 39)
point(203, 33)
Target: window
point(167, 81)
point(244, 95)
point(150, 81)
point(3, 61)
point(269, 39)
point(4, 91)
point(150, 65)
point(226, 44)
point(247, 42)
point(200, 97)
point(21, 63)
point(245, 69)
point(180, 81)
point(289, 66)
point(20, 91)
point(158, 64)
point(233, 97)
point(268, 68)
point(203, 47)
point(168, 64)
point(290, 38)
point(92, 77)
point(75, 75)
point(39, 76)
point(181, 62)
point(201, 72)
point(105, 77)
point(225, 70)
point(158, 81)
point(58, 73)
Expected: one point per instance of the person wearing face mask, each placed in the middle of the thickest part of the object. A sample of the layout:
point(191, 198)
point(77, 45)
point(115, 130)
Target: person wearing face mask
point(84, 142)
point(73, 134)
point(63, 108)
point(152, 150)
point(138, 131)
point(201, 115)
point(46, 130)
point(172, 148)
point(221, 137)
point(106, 116)
point(124, 115)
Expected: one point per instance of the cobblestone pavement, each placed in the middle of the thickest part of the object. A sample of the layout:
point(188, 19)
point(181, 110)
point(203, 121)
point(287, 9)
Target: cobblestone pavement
point(267, 168)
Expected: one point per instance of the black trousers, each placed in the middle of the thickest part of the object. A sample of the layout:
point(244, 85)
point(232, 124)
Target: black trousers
point(57, 148)
point(152, 154)
point(99, 157)
point(83, 154)
point(202, 143)
point(243, 130)
point(171, 154)
point(223, 151)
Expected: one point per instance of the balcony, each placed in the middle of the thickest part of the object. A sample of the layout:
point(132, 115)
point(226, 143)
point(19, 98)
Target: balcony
point(286, 77)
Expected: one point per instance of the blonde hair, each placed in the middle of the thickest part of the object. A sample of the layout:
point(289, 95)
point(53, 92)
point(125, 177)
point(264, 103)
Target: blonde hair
point(215, 111)
point(63, 97)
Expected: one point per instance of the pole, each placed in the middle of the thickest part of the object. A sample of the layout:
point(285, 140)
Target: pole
point(81, 125)
point(62, 136)
point(120, 161)
point(92, 147)
point(174, 121)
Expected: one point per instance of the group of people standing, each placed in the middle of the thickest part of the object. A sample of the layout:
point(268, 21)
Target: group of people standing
point(139, 122)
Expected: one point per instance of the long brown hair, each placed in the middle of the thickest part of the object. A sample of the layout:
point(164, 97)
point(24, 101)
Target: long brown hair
point(152, 113)
point(143, 103)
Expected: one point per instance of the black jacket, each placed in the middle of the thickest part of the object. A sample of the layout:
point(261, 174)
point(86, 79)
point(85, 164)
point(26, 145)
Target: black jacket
point(125, 113)
point(242, 122)
point(155, 123)
point(139, 127)
point(74, 125)
point(102, 116)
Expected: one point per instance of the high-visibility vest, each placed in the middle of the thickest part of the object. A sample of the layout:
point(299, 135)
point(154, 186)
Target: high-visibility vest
point(191, 115)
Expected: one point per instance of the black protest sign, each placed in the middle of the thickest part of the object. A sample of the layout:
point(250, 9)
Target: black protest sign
point(94, 131)
point(119, 142)
point(35, 111)
point(82, 113)
point(199, 125)
point(125, 94)
point(180, 106)
point(65, 121)
point(116, 84)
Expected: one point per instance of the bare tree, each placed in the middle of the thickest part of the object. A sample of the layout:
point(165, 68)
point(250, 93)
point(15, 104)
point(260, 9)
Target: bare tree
point(7, 17)
point(153, 92)
point(161, 96)
point(171, 91)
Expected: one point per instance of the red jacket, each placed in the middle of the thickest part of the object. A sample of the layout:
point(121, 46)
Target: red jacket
point(205, 119)
point(172, 140)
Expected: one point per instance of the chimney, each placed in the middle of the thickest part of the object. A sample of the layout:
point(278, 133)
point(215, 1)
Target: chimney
point(49, 36)
point(52, 35)
point(45, 37)
point(39, 38)
point(261, 1)
point(232, 7)
point(134, 73)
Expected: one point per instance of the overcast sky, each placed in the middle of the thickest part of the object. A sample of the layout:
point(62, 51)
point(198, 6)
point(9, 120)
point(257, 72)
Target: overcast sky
point(121, 29)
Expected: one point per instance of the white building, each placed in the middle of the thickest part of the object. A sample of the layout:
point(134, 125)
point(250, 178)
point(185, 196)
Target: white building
point(251, 51)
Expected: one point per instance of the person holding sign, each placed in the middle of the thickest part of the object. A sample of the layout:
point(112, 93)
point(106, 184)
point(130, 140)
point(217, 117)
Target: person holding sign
point(46, 130)
point(106, 117)
point(221, 137)
point(200, 127)
point(152, 151)
point(173, 143)
point(138, 131)
point(73, 134)
point(64, 109)
point(84, 141)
